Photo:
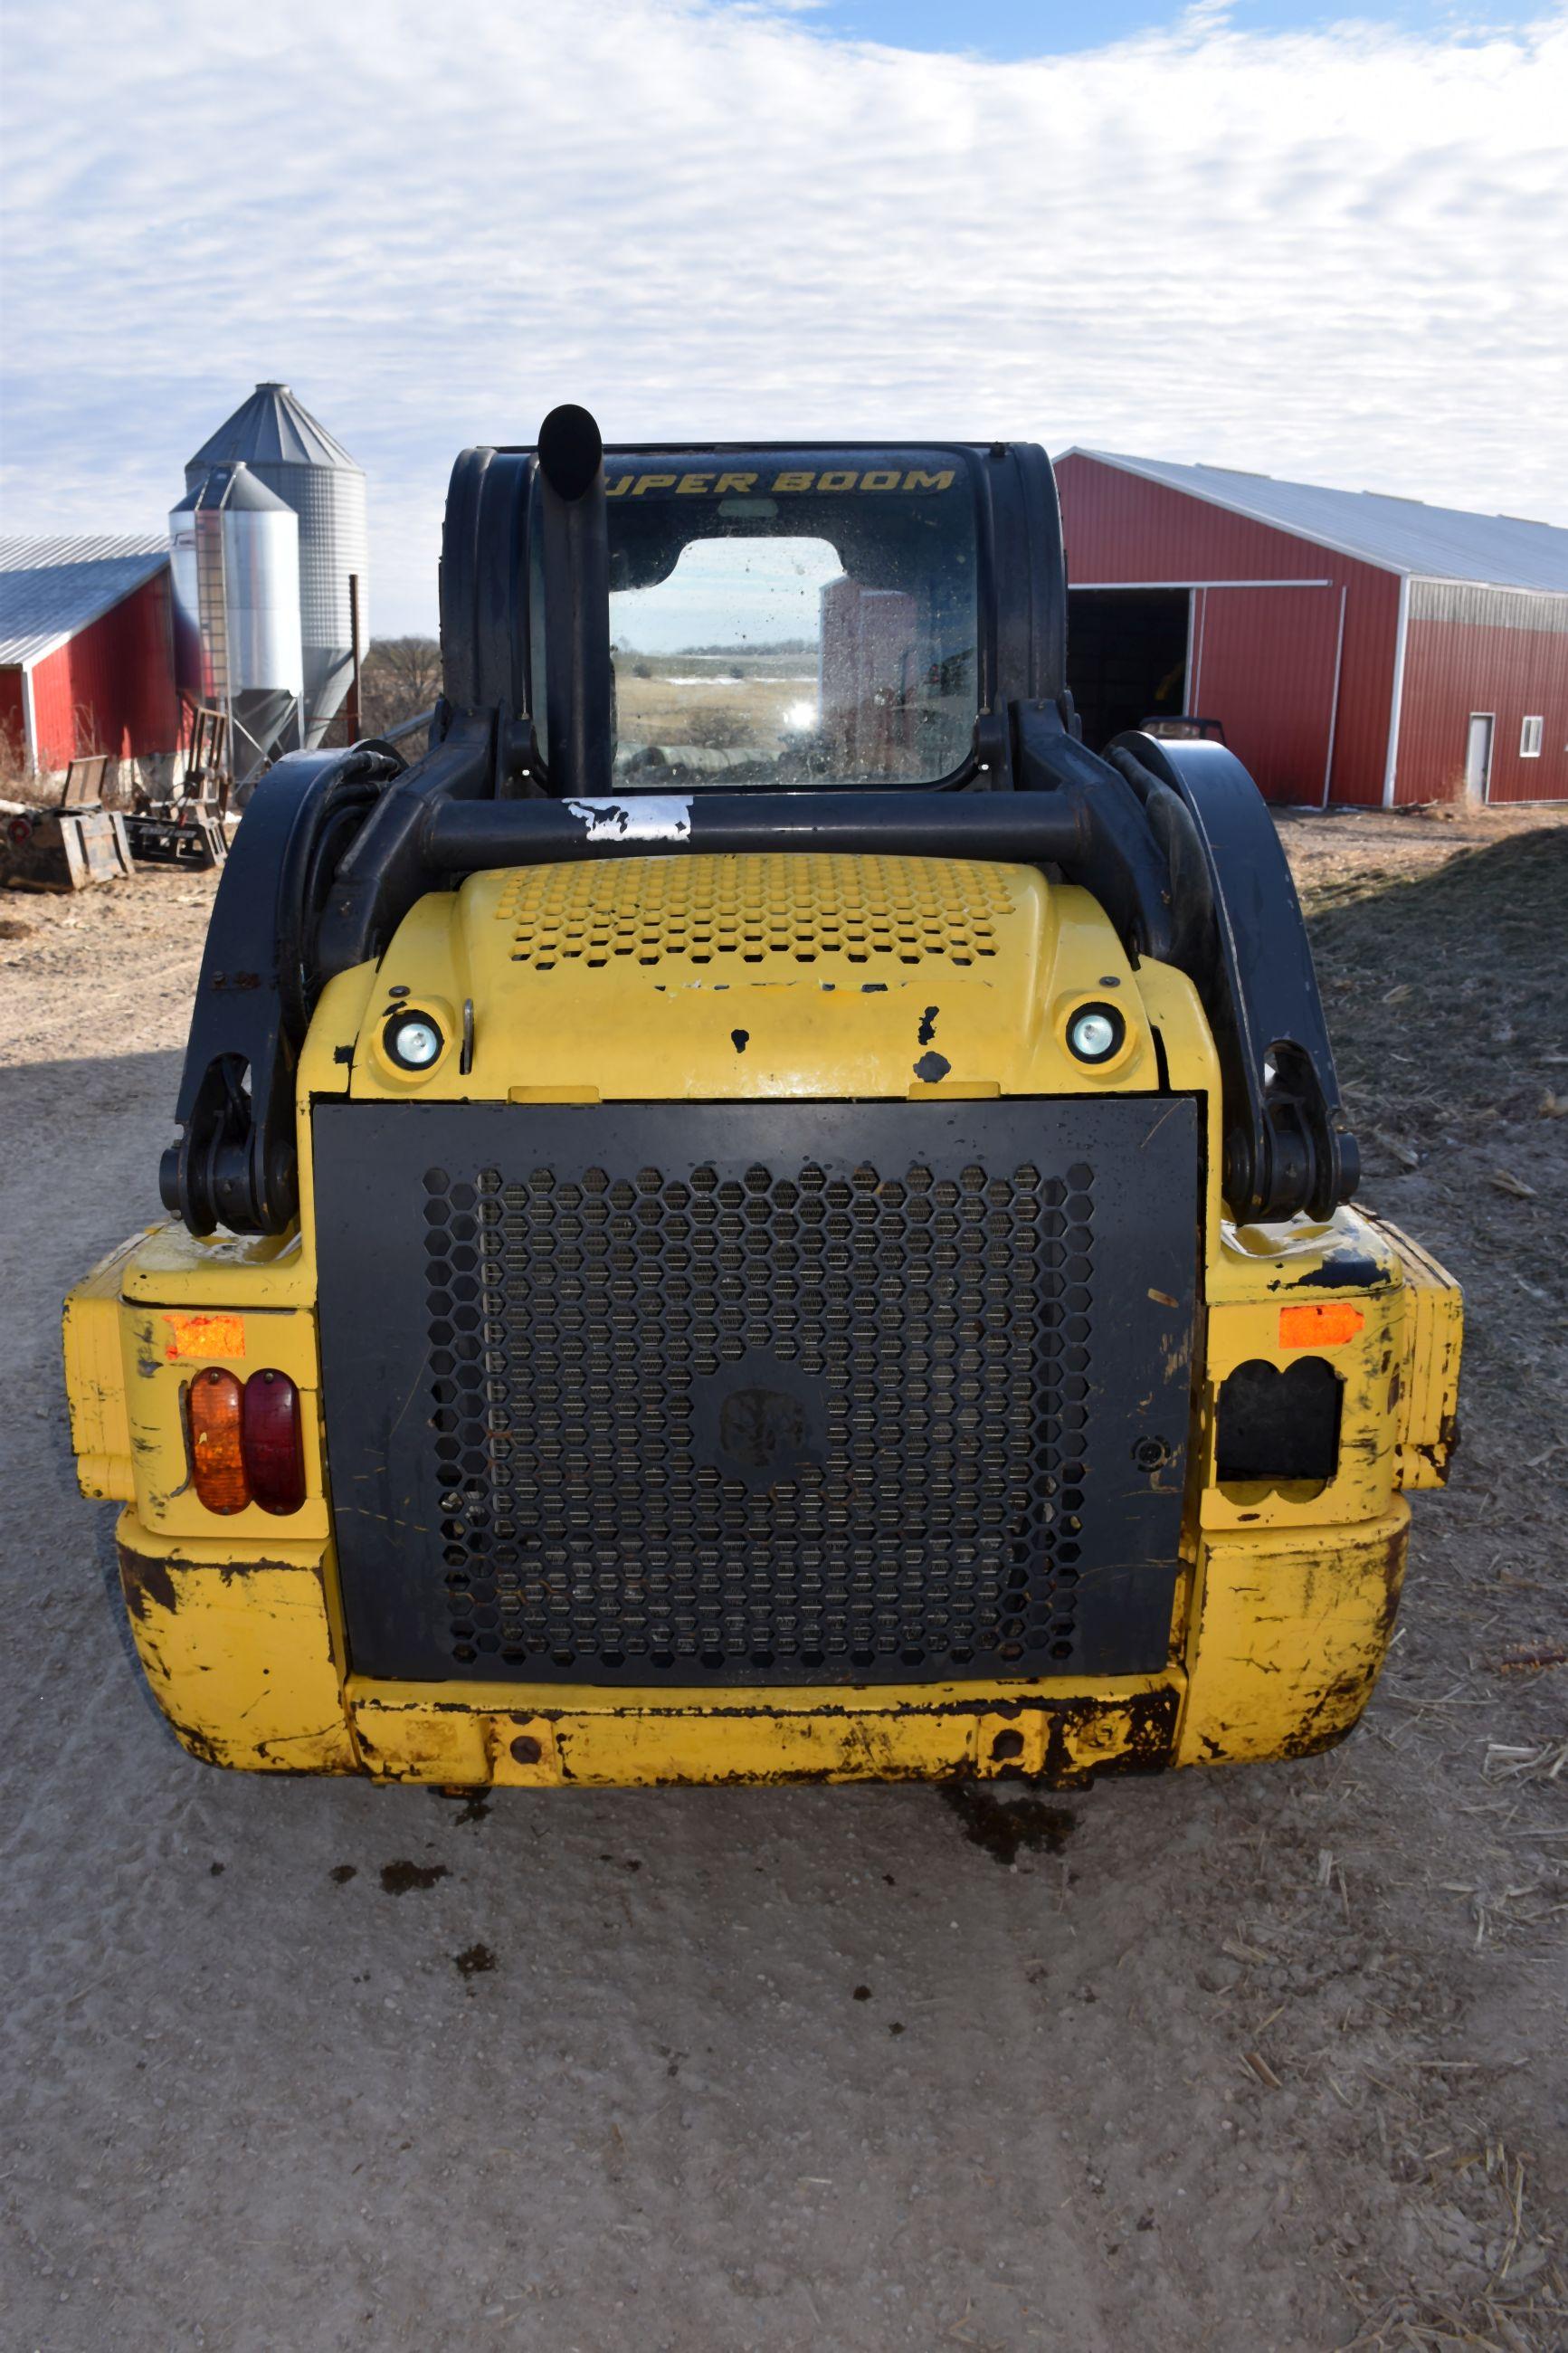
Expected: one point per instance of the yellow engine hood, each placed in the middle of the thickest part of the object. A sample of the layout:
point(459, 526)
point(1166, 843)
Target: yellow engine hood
point(763, 975)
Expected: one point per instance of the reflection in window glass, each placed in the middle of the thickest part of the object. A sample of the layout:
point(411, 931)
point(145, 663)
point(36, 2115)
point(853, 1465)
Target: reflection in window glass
point(793, 640)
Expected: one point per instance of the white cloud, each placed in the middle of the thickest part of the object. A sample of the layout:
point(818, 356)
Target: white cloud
point(1340, 254)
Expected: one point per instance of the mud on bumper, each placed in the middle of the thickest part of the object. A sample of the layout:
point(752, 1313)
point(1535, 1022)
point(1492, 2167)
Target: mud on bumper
point(245, 1657)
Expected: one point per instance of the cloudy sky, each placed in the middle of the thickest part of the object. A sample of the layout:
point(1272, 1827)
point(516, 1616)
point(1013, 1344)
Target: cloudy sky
point(1252, 235)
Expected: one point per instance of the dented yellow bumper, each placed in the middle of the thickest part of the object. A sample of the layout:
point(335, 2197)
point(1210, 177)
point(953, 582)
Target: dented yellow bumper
point(1286, 1637)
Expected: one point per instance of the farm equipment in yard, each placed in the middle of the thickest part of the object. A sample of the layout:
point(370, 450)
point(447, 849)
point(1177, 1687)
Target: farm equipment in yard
point(69, 847)
point(759, 1212)
point(188, 828)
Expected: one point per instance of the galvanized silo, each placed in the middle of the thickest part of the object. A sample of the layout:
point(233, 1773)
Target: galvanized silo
point(234, 566)
point(285, 447)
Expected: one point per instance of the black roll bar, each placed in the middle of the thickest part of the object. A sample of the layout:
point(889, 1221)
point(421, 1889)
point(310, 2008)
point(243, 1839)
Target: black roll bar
point(466, 838)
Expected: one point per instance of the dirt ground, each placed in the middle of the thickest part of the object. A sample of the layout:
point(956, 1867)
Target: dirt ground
point(1269, 2057)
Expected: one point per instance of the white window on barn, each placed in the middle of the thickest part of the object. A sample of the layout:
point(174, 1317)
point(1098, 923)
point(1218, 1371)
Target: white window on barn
point(1530, 736)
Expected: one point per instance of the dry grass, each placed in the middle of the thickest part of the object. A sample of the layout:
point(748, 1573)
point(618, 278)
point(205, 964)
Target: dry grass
point(720, 715)
point(19, 780)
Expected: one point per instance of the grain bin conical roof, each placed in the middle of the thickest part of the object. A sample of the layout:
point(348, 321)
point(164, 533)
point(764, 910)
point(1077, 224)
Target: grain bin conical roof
point(239, 490)
point(272, 428)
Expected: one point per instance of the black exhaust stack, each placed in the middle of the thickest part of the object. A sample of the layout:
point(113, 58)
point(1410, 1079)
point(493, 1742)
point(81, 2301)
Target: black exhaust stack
point(577, 676)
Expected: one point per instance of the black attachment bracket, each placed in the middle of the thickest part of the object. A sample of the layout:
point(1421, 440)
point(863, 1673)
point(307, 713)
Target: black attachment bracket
point(235, 1163)
point(1288, 1148)
point(1119, 860)
point(383, 870)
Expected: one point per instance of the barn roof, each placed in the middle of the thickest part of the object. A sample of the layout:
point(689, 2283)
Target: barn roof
point(1398, 535)
point(51, 588)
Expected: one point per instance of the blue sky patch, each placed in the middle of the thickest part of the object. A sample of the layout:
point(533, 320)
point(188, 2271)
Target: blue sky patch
point(1014, 29)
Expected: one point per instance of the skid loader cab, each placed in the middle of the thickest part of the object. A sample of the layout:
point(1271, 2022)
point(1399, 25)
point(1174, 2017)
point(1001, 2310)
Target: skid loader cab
point(759, 1212)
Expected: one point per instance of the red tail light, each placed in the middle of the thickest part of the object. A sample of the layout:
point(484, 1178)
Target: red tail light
point(214, 1409)
point(274, 1447)
point(247, 1445)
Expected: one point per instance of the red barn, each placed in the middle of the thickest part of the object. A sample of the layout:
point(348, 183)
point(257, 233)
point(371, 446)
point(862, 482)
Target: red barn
point(1354, 647)
point(87, 659)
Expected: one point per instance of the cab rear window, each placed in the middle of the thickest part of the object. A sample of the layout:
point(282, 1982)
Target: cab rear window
point(784, 623)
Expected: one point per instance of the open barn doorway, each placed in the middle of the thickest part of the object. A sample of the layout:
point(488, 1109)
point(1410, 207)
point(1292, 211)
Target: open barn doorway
point(1127, 657)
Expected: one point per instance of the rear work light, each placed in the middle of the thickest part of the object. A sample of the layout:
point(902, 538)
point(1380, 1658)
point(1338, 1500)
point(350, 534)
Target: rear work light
point(247, 1446)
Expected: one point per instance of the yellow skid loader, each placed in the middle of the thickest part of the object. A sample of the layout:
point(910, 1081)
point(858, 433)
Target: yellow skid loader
point(762, 1212)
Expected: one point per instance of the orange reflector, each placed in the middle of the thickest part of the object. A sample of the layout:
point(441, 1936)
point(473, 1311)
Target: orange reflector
point(217, 1458)
point(205, 1335)
point(1327, 1323)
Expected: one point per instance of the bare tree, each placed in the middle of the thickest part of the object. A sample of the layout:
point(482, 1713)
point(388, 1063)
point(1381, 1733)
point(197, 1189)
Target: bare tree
point(400, 677)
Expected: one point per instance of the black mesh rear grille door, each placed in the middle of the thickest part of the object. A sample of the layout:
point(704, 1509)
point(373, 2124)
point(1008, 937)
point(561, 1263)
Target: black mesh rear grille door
point(752, 1393)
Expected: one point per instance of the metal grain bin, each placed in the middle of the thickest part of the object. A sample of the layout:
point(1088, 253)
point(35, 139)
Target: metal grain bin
point(287, 450)
point(234, 565)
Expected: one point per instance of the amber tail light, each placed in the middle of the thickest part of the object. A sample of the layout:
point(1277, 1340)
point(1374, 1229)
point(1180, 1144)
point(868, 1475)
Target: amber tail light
point(214, 1408)
point(247, 1446)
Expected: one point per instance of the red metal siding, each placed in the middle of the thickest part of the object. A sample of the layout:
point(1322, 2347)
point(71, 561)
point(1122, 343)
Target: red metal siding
point(54, 711)
point(1264, 671)
point(1452, 668)
point(1288, 637)
point(12, 720)
point(111, 688)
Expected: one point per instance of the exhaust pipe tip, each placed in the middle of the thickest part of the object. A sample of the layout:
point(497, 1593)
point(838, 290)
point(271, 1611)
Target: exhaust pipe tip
point(571, 451)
